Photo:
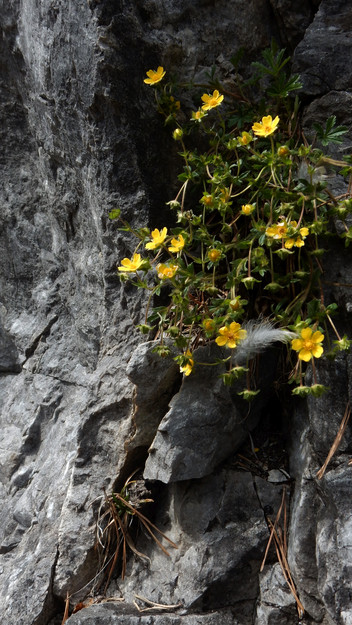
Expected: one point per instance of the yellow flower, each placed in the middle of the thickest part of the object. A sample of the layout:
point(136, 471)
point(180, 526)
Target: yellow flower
point(158, 237)
point(247, 209)
point(245, 138)
point(283, 150)
point(211, 101)
point(214, 255)
point(131, 265)
point(177, 244)
point(197, 115)
point(298, 242)
point(278, 231)
point(154, 77)
point(266, 127)
point(230, 335)
point(166, 271)
point(308, 346)
point(187, 368)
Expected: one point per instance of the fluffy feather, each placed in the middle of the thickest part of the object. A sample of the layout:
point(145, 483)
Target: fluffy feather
point(261, 334)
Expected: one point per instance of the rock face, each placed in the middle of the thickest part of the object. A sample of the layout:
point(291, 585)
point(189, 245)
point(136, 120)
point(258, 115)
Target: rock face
point(79, 137)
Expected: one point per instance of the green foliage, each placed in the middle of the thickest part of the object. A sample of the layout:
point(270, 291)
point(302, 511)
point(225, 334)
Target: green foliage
point(252, 220)
point(330, 133)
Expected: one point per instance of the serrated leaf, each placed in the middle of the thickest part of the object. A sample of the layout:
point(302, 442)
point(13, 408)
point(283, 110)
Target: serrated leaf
point(331, 133)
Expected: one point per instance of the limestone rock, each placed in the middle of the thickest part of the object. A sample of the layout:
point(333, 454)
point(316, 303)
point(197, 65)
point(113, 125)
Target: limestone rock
point(79, 137)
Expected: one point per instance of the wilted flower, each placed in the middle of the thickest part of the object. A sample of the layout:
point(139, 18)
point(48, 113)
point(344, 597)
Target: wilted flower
point(283, 150)
point(177, 244)
point(207, 199)
point(166, 271)
point(158, 237)
point(266, 127)
point(154, 77)
point(308, 346)
point(245, 138)
point(197, 115)
point(209, 325)
point(131, 265)
point(214, 255)
point(188, 367)
point(230, 335)
point(211, 101)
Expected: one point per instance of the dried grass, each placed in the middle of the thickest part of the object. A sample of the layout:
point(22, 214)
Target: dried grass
point(337, 441)
point(278, 536)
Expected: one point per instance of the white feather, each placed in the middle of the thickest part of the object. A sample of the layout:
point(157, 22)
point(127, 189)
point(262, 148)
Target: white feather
point(261, 334)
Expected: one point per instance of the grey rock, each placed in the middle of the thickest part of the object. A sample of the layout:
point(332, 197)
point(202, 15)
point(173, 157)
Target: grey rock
point(207, 421)
point(114, 615)
point(320, 57)
point(277, 605)
point(219, 527)
point(76, 143)
point(156, 379)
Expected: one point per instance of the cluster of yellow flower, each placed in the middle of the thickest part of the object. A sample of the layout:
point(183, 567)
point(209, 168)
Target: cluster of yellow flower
point(287, 231)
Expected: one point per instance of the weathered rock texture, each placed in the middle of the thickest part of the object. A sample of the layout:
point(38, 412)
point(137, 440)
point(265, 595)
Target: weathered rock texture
point(80, 136)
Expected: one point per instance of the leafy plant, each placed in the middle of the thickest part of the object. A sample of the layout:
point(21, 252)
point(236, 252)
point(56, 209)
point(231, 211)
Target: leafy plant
point(252, 218)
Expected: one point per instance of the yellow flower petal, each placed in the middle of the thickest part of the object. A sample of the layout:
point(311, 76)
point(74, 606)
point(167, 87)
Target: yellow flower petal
point(211, 101)
point(158, 238)
point(317, 351)
point(305, 355)
point(317, 337)
point(297, 344)
point(306, 333)
point(154, 77)
point(266, 127)
point(177, 244)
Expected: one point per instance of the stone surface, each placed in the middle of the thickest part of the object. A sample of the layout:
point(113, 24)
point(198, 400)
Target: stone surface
point(320, 57)
point(110, 615)
point(80, 136)
point(206, 422)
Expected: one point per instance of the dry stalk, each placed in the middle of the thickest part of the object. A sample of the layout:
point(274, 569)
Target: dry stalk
point(155, 606)
point(67, 605)
point(278, 534)
point(336, 442)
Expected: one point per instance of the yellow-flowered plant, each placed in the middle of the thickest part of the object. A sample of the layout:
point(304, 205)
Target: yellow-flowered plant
point(247, 209)
point(211, 100)
point(177, 244)
point(230, 335)
point(309, 344)
point(165, 271)
point(131, 265)
point(250, 217)
point(158, 238)
point(188, 364)
point(155, 76)
point(266, 127)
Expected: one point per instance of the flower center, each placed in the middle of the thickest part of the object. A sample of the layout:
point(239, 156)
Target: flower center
point(308, 345)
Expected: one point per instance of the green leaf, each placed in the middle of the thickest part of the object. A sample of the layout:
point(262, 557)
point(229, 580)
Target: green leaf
point(115, 213)
point(330, 133)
